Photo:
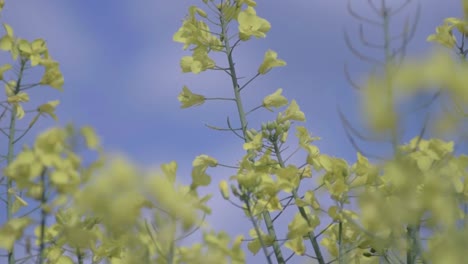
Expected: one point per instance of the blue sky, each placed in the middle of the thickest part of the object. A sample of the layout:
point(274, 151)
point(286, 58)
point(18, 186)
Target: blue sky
point(122, 76)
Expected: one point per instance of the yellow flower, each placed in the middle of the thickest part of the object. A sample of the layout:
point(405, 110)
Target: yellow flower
point(52, 77)
point(252, 25)
point(460, 24)
point(443, 36)
point(292, 113)
point(465, 8)
point(49, 108)
point(92, 140)
point(7, 41)
point(12, 231)
point(15, 100)
point(248, 2)
point(196, 32)
point(270, 61)
point(255, 144)
point(275, 100)
point(204, 161)
point(188, 99)
point(195, 10)
point(32, 50)
point(20, 97)
point(3, 69)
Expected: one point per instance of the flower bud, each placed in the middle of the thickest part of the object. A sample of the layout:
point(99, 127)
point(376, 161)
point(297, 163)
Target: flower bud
point(235, 191)
point(271, 125)
point(223, 187)
point(284, 136)
point(249, 135)
point(279, 130)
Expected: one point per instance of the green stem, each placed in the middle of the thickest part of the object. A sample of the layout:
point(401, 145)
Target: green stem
point(257, 230)
point(310, 235)
point(388, 61)
point(11, 156)
point(43, 218)
point(411, 236)
point(340, 243)
point(170, 254)
point(410, 254)
point(79, 256)
point(243, 121)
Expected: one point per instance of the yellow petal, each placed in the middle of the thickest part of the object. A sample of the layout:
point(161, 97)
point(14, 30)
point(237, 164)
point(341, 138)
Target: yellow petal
point(270, 61)
point(49, 108)
point(188, 99)
point(275, 100)
point(92, 140)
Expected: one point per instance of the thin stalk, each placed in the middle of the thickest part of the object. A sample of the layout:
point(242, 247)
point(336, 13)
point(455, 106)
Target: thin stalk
point(257, 230)
point(43, 218)
point(465, 218)
point(410, 230)
point(170, 255)
point(79, 256)
point(310, 235)
point(243, 121)
point(340, 243)
point(11, 156)
point(411, 251)
point(388, 62)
